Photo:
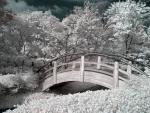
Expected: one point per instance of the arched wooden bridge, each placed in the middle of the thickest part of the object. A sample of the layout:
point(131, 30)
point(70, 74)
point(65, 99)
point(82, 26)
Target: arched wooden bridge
point(110, 71)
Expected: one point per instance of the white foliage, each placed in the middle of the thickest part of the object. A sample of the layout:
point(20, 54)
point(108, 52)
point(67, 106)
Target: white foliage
point(87, 29)
point(9, 80)
point(18, 6)
point(48, 33)
point(30, 80)
point(125, 15)
point(38, 96)
point(15, 82)
point(134, 98)
point(126, 20)
point(147, 70)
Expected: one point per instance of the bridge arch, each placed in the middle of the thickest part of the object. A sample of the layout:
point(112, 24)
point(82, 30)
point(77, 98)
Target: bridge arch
point(108, 71)
point(89, 77)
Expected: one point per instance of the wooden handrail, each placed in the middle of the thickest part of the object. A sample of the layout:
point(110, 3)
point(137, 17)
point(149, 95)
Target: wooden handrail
point(111, 56)
point(83, 64)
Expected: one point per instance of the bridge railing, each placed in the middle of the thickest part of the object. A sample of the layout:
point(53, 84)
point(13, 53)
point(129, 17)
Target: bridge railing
point(73, 57)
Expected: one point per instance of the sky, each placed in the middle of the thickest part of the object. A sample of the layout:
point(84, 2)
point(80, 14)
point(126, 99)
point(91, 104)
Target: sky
point(59, 8)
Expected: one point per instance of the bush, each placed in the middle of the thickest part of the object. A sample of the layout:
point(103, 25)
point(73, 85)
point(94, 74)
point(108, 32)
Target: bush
point(8, 70)
point(13, 83)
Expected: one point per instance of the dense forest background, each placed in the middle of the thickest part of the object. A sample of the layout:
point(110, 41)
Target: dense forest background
point(32, 29)
point(32, 32)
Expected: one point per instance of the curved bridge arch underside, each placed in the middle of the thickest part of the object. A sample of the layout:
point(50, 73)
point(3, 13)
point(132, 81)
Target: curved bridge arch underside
point(89, 76)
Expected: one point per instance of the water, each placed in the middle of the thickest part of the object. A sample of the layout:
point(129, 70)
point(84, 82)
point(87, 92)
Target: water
point(74, 87)
point(3, 110)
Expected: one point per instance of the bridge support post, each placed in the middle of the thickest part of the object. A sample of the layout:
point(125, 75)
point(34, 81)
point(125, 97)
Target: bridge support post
point(116, 75)
point(73, 66)
point(82, 68)
point(55, 72)
point(129, 69)
point(99, 62)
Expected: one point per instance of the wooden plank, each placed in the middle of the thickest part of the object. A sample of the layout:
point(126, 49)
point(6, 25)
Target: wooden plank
point(82, 68)
point(99, 62)
point(116, 75)
point(107, 66)
point(55, 72)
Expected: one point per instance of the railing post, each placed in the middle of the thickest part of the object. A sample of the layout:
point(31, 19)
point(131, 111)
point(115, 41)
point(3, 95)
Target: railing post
point(129, 69)
point(99, 62)
point(55, 72)
point(73, 65)
point(116, 75)
point(82, 68)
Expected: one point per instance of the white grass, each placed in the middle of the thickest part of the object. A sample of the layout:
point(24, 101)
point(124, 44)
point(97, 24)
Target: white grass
point(134, 98)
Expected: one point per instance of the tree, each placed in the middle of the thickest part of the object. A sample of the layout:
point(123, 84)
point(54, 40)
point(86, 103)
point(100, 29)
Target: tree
point(14, 35)
point(5, 16)
point(126, 20)
point(89, 30)
point(48, 31)
point(81, 31)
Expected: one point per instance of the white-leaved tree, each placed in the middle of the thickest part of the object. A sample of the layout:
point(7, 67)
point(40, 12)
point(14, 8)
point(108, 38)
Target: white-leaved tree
point(88, 29)
point(12, 37)
point(49, 32)
point(126, 20)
